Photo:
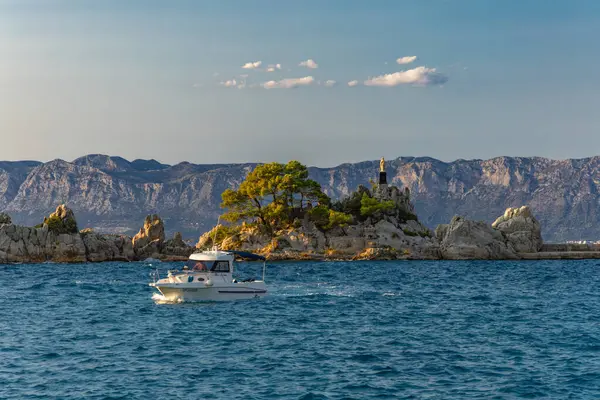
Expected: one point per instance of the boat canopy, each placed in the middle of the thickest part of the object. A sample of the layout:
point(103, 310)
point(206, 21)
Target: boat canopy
point(248, 255)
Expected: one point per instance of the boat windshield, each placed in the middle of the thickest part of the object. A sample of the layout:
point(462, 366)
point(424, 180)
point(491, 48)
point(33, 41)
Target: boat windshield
point(210, 265)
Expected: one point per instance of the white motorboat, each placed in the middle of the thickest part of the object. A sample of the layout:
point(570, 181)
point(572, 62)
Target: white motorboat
point(208, 276)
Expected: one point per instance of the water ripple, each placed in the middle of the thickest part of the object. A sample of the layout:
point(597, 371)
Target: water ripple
point(364, 330)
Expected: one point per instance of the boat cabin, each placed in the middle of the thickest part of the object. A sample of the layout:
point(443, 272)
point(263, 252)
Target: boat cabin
point(210, 261)
point(201, 266)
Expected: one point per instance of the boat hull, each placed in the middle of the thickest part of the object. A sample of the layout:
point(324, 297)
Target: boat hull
point(186, 292)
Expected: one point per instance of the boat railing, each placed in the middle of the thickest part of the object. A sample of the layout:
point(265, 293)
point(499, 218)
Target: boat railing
point(155, 275)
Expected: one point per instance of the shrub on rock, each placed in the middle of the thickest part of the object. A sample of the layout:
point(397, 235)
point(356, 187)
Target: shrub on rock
point(61, 221)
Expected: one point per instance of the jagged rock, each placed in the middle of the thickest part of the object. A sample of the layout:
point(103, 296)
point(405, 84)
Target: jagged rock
point(463, 239)
point(101, 247)
point(5, 219)
point(521, 229)
point(66, 248)
point(400, 197)
point(24, 244)
point(150, 239)
point(63, 212)
point(55, 241)
point(61, 221)
point(177, 247)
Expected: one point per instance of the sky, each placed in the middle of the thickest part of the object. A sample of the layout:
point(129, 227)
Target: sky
point(321, 81)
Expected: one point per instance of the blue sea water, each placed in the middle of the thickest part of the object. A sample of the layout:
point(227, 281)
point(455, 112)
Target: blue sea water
point(361, 330)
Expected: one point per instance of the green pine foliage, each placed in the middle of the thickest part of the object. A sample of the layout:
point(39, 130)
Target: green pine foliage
point(352, 204)
point(369, 206)
point(326, 218)
point(57, 225)
point(220, 233)
point(275, 195)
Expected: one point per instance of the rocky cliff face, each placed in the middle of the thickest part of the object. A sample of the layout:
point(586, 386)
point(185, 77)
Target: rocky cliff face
point(113, 194)
point(12, 175)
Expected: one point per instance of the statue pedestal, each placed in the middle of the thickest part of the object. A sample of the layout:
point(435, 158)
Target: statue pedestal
point(383, 178)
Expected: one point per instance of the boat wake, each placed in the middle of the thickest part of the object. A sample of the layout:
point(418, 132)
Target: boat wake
point(319, 289)
point(160, 299)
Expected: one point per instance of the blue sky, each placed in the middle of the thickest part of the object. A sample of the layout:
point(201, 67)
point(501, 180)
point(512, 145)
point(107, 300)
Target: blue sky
point(150, 79)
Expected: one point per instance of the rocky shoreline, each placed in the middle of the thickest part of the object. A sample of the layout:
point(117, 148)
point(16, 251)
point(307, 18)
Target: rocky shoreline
point(516, 235)
point(397, 234)
point(57, 239)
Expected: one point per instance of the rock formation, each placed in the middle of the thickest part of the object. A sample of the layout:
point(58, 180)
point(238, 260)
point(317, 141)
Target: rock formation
point(50, 242)
point(176, 247)
point(389, 233)
point(61, 221)
point(57, 240)
point(148, 242)
point(105, 247)
point(463, 239)
point(515, 234)
point(521, 229)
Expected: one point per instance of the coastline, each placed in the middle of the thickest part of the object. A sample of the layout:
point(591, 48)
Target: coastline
point(550, 256)
point(376, 224)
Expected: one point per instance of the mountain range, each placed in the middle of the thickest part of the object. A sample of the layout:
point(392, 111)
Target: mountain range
point(112, 194)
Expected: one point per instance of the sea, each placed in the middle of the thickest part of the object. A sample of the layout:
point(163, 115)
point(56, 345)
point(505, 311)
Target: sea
point(327, 330)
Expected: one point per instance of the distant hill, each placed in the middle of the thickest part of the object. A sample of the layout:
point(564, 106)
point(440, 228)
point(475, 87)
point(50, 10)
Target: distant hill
point(114, 194)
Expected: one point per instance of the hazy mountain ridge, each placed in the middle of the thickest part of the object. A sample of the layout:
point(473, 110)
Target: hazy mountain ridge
point(114, 194)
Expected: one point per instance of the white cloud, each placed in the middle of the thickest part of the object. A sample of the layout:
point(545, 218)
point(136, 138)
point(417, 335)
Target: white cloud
point(330, 83)
point(229, 83)
point(310, 63)
point(406, 60)
point(252, 65)
point(352, 83)
point(289, 83)
point(420, 76)
point(273, 67)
